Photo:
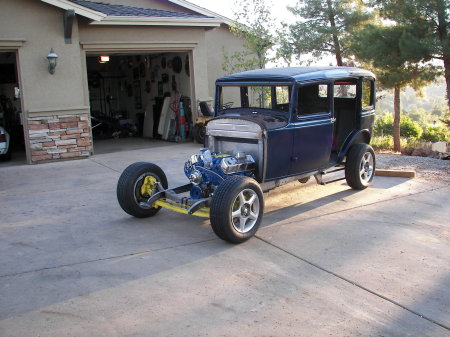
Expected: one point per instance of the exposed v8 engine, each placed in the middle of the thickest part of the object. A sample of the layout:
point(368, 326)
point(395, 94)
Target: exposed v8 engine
point(207, 170)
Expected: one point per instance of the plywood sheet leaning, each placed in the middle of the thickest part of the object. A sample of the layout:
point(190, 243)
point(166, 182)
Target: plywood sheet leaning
point(165, 117)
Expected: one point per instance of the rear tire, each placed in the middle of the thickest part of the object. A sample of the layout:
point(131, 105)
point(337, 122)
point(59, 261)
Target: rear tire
point(360, 166)
point(130, 188)
point(236, 210)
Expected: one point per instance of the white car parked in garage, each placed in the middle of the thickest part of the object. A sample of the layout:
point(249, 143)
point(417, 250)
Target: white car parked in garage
point(5, 152)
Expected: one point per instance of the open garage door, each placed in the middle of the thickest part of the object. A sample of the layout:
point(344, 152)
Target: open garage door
point(140, 96)
point(11, 129)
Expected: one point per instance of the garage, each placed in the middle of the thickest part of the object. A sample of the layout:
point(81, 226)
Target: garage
point(140, 95)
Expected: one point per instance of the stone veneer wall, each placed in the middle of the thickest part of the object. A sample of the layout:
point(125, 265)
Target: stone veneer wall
point(59, 137)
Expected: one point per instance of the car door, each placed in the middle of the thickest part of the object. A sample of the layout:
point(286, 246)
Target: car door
point(312, 128)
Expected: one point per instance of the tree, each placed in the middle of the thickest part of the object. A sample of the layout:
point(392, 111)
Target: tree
point(324, 27)
point(254, 25)
point(394, 54)
point(284, 50)
point(446, 120)
point(430, 22)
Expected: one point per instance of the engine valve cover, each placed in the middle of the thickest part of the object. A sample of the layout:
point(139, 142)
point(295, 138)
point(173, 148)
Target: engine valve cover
point(234, 165)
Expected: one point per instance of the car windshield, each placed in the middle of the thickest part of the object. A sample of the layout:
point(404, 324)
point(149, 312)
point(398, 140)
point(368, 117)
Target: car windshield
point(262, 98)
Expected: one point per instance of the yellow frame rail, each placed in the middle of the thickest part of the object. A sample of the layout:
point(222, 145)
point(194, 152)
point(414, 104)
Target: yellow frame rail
point(181, 208)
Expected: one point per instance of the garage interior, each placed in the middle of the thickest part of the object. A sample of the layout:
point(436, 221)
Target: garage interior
point(140, 96)
point(10, 105)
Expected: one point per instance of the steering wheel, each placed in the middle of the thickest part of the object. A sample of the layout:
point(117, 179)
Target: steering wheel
point(227, 105)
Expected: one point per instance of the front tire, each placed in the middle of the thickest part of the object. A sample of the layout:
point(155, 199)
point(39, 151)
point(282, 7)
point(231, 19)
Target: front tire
point(136, 184)
point(236, 209)
point(360, 166)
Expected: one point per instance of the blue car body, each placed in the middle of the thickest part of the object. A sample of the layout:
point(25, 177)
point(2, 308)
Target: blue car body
point(300, 143)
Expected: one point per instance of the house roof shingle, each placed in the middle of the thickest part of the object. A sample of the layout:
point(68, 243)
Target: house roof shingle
point(120, 10)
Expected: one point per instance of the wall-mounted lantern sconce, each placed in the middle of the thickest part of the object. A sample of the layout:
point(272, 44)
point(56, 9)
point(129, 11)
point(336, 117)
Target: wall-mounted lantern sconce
point(52, 57)
point(103, 59)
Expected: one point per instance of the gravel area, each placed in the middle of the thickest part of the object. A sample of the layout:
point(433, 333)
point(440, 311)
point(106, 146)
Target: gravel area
point(436, 170)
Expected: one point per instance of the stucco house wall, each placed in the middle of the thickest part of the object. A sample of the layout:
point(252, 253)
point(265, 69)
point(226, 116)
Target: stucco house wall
point(39, 26)
point(218, 42)
point(54, 107)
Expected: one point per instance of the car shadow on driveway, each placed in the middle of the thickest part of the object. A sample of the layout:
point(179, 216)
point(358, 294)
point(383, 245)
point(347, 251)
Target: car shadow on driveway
point(311, 200)
point(302, 208)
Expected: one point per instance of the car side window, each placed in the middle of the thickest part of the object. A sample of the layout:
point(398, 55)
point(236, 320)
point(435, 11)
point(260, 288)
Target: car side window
point(367, 94)
point(312, 99)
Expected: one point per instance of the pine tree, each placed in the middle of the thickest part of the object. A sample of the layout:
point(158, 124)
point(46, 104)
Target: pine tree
point(324, 28)
point(394, 54)
point(430, 23)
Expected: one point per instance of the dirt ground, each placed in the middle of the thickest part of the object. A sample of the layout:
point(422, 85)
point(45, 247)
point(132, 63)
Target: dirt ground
point(431, 169)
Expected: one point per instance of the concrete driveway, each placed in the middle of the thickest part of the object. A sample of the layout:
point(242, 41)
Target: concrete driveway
point(327, 261)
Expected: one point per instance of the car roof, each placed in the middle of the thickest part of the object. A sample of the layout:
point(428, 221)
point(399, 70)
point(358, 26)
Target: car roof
point(294, 74)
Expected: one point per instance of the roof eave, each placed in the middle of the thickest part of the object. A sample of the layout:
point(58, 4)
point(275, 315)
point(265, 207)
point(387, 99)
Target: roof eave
point(158, 21)
point(202, 10)
point(80, 10)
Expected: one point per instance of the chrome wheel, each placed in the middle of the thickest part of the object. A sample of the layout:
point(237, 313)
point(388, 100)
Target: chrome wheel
point(236, 210)
point(245, 211)
point(360, 166)
point(366, 168)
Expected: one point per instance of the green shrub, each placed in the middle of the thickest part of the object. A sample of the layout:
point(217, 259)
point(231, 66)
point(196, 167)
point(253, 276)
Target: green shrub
point(436, 133)
point(382, 142)
point(410, 142)
point(384, 125)
point(387, 142)
point(409, 128)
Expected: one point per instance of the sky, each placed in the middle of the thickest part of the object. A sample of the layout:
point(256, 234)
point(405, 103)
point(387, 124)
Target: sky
point(225, 7)
point(280, 13)
point(278, 8)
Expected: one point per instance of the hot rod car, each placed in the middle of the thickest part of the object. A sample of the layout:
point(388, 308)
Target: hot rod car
point(270, 127)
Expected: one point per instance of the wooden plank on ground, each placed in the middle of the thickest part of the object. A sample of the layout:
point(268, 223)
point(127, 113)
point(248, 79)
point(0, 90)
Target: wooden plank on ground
point(395, 173)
